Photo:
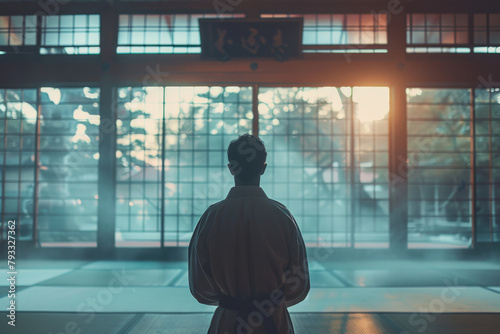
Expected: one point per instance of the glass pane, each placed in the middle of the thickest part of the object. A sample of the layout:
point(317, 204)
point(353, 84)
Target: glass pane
point(440, 31)
point(198, 124)
point(439, 178)
point(17, 31)
point(70, 34)
point(18, 121)
point(487, 105)
point(162, 33)
point(138, 154)
point(69, 135)
point(342, 29)
point(324, 162)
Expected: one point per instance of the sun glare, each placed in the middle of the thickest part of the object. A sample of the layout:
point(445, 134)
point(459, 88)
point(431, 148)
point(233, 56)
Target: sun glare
point(372, 103)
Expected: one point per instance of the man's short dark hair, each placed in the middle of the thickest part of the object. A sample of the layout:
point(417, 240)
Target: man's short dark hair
point(247, 156)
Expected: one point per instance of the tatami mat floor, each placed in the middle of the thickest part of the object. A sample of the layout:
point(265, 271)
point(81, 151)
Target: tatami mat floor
point(304, 323)
point(346, 297)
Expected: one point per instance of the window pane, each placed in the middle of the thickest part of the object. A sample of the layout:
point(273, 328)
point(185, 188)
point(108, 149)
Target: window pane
point(487, 109)
point(487, 33)
point(177, 33)
point(69, 135)
point(70, 34)
point(18, 121)
point(439, 177)
point(329, 185)
point(199, 124)
point(438, 33)
point(16, 32)
point(341, 29)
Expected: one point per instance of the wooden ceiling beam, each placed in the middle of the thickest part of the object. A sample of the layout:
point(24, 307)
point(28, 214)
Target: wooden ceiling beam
point(58, 7)
point(359, 69)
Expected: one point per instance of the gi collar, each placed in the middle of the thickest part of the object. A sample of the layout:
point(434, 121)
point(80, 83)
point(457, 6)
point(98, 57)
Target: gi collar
point(246, 191)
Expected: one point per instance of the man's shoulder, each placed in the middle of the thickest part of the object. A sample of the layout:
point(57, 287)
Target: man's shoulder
point(279, 208)
point(215, 205)
point(278, 204)
point(264, 203)
point(268, 202)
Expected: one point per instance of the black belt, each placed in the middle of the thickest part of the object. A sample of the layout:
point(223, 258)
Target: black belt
point(245, 307)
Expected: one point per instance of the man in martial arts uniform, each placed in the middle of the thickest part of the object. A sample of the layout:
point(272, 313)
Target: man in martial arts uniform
point(247, 255)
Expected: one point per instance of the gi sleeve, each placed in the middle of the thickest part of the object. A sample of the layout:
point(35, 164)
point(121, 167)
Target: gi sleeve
point(296, 285)
point(201, 282)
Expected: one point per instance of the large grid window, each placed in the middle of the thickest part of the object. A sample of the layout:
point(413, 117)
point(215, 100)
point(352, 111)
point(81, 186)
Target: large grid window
point(49, 162)
point(60, 34)
point(196, 124)
point(487, 176)
point(68, 159)
point(177, 33)
point(16, 32)
point(201, 122)
point(354, 33)
point(487, 33)
point(140, 116)
point(440, 156)
point(437, 33)
point(328, 161)
point(70, 34)
point(18, 121)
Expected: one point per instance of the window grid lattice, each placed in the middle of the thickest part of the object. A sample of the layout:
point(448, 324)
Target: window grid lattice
point(332, 33)
point(138, 155)
point(68, 159)
point(437, 33)
point(311, 169)
point(18, 121)
point(200, 122)
point(17, 32)
point(487, 33)
point(439, 153)
point(176, 33)
point(70, 34)
point(487, 177)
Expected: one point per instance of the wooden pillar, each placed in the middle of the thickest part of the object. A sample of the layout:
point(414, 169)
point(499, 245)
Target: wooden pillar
point(107, 136)
point(398, 155)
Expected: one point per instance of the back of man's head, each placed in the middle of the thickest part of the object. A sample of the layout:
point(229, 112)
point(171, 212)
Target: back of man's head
point(247, 157)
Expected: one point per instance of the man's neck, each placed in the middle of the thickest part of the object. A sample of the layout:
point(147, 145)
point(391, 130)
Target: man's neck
point(245, 183)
